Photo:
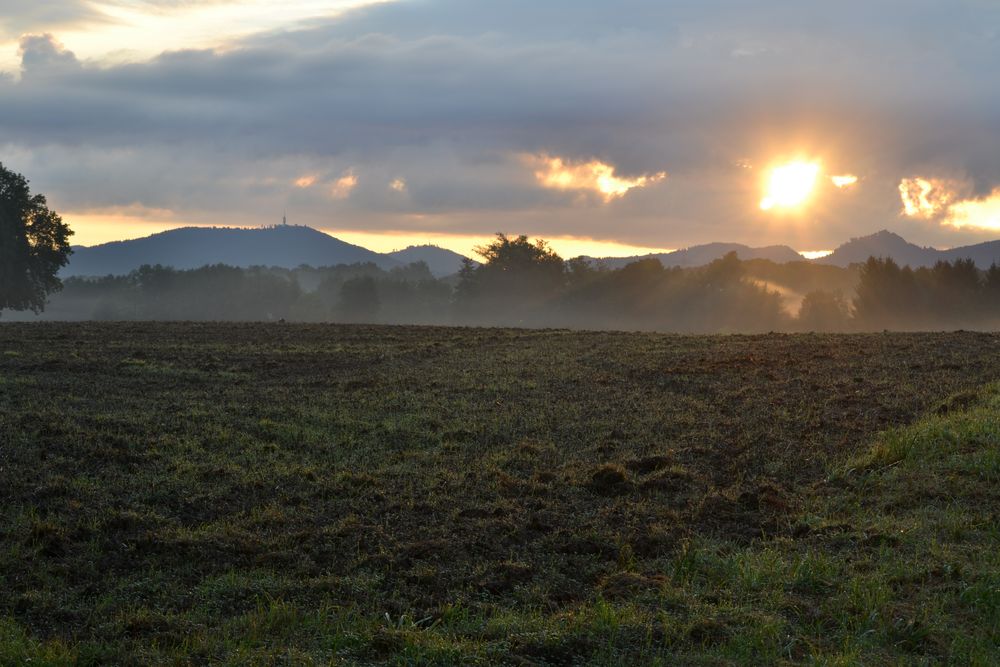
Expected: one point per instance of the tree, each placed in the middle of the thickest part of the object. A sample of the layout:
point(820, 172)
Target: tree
point(823, 310)
point(991, 293)
point(34, 245)
point(887, 296)
point(359, 300)
point(723, 272)
point(956, 292)
point(513, 285)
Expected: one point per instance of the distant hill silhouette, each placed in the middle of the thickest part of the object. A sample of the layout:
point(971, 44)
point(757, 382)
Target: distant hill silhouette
point(289, 246)
point(887, 244)
point(286, 246)
point(442, 262)
point(700, 255)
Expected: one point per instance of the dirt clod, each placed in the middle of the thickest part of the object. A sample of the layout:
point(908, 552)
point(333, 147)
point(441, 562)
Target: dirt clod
point(610, 480)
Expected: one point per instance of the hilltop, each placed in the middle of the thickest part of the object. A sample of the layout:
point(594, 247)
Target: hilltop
point(286, 246)
point(700, 255)
point(888, 244)
point(441, 261)
point(291, 246)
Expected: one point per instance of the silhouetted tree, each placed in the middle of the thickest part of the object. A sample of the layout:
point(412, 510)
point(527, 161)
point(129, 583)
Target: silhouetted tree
point(34, 245)
point(723, 273)
point(955, 292)
point(823, 311)
point(580, 272)
point(804, 277)
point(719, 298)
point(332, 278)
point(527, 284)
point(886, 295)
point(359, 300)
point(991, 293)
point(516, 279)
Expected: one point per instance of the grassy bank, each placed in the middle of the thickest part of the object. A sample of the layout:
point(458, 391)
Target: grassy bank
point(272, 494)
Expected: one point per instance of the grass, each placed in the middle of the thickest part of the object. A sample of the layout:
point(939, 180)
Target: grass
point(253, 494)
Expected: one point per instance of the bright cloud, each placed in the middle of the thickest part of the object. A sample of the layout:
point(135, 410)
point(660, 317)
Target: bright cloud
point(115, 31)
point(941, 200)
point(558, 174)
point(398, 185)
point(981, 214)
point(343, 186)
point(925, 198)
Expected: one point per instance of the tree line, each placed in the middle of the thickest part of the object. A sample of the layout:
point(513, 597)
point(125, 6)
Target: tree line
point(526, 284)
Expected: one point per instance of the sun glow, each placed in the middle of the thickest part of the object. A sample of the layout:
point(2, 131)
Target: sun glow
point(566, 246)
point(845, 181)
point(815, 254)
point(790, 185)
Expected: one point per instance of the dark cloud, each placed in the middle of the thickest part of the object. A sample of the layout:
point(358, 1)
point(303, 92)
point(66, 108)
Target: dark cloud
point(448, 93)
point(44, 54)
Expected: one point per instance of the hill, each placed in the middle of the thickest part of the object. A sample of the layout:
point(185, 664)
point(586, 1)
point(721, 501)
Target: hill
point(700, 255)
point(290, 246)
point(286, 246)
point(441, 261)
point(887, 244)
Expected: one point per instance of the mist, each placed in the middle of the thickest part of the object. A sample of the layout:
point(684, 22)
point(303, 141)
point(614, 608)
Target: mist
point(525, 284)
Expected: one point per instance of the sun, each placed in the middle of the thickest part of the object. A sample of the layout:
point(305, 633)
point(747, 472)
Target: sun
point(790, 185)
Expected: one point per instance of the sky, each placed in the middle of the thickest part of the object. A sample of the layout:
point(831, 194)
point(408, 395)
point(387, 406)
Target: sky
point(608, 128)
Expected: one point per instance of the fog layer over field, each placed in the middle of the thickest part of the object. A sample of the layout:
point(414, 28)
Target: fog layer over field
point(525, 284)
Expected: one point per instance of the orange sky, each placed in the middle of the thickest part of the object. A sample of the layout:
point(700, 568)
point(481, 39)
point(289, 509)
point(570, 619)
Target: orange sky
point(96, 228)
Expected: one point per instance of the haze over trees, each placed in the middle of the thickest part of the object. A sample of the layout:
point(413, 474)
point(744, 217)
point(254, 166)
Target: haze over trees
point(524, 283)
point(34, 245)
point(893, 297)
point(516, 282)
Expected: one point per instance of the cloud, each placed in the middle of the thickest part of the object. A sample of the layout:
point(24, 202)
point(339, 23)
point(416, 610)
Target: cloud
point(981, 214)
point(343, 186)
point(25, 16)
point(592, 176)
point(926, 198)
point(948, 203)
point(447, 95)
point(44, 53)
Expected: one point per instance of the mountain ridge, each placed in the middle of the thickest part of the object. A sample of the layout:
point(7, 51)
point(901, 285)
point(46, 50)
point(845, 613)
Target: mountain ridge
point(699, 255)
point(289, 246)
point(889, 244)
point(286, 246)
